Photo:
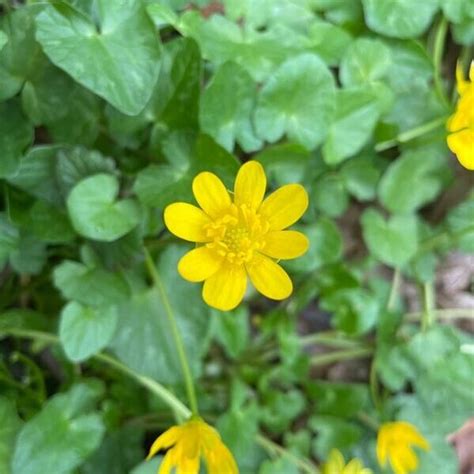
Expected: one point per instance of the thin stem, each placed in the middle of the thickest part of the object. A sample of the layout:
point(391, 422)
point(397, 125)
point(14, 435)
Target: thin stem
point(453, 313)
point(394, 290)
point(368, 421)
point(337, 356)
point(188, 379)
point(374, 386)
point(164, 394)
point(438, 50)
point(329, 338)
point(427, 317)
point(304, 464)
point(411, 134)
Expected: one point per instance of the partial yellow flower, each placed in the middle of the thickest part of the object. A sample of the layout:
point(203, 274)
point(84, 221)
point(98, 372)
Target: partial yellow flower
point(461, 123)
point(336, 465)
point(187, 444)
point(238, 236)
point(394, 444)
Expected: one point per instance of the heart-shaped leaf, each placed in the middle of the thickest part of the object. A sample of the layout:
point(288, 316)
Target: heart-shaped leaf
point(94, 212)
point(115, 52)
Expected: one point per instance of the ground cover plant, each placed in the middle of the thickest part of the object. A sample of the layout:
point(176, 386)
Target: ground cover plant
point(236, 236)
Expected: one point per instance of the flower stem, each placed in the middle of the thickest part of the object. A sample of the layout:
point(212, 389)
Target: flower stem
point(440, 39)
point(392, 299)
point(329, 338)
point(338, 356)
point(453, 313)
point(427, 317)
point(411, 134)
point(174, 331)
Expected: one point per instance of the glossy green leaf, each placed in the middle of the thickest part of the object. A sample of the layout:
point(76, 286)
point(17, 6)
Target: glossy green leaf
point(16, 133)
point(96, 214)
point(61, 436)
point(92, 50)
point(226, 108)
point(399, 18)
point(392, 241)
point(84, 330)
point(298, 100)
point(11, 424)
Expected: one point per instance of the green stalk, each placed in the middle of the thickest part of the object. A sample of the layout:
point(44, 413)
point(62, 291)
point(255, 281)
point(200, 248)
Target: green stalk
point(338, 356)
point(392, 299)
point(411, 134)
point(331, 339)
point(427, 317)
point(188, 379)
point(440, 39)
point(453, 313)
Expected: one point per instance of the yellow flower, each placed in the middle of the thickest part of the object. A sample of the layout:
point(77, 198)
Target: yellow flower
point(240, 236)
point(336, 465)
point(187, 443)
point(394, 443)
point(461, 123)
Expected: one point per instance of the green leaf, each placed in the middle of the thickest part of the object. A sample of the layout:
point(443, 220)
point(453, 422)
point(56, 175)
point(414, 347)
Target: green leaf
point(412, 181)
point(142, 339)
point(9, 238)
point(49, 224)
point(361, 176)
point(393, 241)
point(297, 100)
point(226, 108)
point(329, 195)
point(3, 39)
point(9, 428)
point(92, 286)
point(16, 134)
point(96, 214)
point(116, 54)
point(231, 329)
point(21, 55)
point(29, 256)
point(84, 330)
point(61, 436)
point(399, 18)
point(280, 466)
point(357, 112)
point(459, 221)
point(458, 11)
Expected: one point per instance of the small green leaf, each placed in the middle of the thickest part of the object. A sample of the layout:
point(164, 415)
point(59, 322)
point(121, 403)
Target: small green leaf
point(280, 466)
point(297, 100)
point(412, 181)
point(3, 39)
point(118, 58)
point(329, 195)
point(365, 61)
point(16, 133)
point(226, 108)
point(84, 330)
point(50, 224)
point(9, 238)
point(392, 241)
point(357, 112)
point(61, 436)
point(96, 214)
point(399, 18)
point(361, 176)
point(231, 329)
point(9, 428)
point(90, 286)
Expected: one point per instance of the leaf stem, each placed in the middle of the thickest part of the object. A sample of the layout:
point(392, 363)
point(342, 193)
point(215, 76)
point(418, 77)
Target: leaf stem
point(158, 284)
point(394, 290)
point(453, 313)
point(427, 317)
point(440, 39)
point(411, 134)
point(338, 356)
point(329, 338)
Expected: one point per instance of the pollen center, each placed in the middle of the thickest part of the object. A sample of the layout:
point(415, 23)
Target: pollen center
point(237, 234)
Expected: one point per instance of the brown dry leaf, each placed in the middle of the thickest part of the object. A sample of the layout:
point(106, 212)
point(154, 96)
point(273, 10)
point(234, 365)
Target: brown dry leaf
point(463, 442)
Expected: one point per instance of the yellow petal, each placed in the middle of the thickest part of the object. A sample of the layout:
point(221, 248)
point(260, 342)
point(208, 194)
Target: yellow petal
point(285, 244)
point(225, 289)
point(220, 460)
point(285, 206)
point(382, 446)
point(187, 221)
point(250, 185)
point(462, 145)
point(269, 278)
point(211, 194)
point(199, 264)
point(164, 441)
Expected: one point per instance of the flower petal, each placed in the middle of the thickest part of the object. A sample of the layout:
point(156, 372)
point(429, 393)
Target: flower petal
point(211, 193)
point(187, 221)
point(269, 278)
point(285, 206)
point(199, 264)
point(164, 441)
point(250, 185)
point(285, 244)
point(225, 289)
point(462, 145)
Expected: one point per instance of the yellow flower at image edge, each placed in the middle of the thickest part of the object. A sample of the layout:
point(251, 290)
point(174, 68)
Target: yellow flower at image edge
point(239, 237)
point(394, 444)
point(461, 123)
point(187, 444)
point(336, 465)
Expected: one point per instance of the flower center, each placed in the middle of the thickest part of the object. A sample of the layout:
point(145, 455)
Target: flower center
point(237, 234)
